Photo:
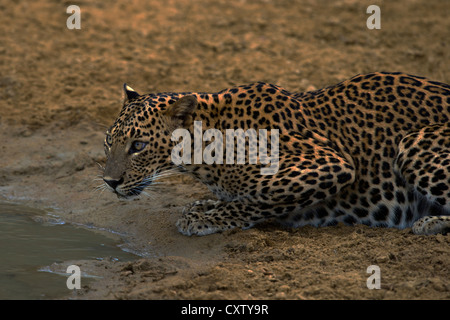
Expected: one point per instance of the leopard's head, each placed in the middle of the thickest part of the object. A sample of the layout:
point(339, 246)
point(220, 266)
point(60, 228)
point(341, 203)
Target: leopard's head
point(138, 145)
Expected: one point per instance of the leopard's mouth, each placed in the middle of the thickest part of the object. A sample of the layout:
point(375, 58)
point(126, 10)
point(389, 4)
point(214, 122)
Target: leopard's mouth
point(122, 196)
point(134, 190)
point(128, 192)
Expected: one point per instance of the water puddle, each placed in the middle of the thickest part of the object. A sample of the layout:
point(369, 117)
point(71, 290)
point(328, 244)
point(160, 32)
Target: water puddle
point(28, 247)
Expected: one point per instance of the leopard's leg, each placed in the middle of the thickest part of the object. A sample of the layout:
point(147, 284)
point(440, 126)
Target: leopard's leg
point(424, 163)
point(225, 215)
point(200, 206)
point(308, 173)
point(429, 225)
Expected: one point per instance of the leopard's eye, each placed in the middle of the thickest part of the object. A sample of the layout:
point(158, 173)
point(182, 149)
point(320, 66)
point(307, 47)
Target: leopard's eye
point(108, 140)
point(137, 146)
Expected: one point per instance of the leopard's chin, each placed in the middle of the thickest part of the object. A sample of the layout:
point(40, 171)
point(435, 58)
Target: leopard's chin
point(122, 196)
point(129, 195)
point(132, 192)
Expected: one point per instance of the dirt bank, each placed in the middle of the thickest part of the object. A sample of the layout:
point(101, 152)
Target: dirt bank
point(60, 88)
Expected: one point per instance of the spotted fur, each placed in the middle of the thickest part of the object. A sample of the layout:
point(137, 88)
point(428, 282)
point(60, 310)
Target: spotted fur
point(374, 149)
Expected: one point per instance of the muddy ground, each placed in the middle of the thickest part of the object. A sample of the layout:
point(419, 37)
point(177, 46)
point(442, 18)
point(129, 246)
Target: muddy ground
point(60, 89)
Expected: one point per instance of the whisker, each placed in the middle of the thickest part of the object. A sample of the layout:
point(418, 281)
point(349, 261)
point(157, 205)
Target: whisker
point(101, 167)
point(100, 187)
point(144, 188)
point(154, 179)
point(164, 174)
point(145, 193)
point(156, 176)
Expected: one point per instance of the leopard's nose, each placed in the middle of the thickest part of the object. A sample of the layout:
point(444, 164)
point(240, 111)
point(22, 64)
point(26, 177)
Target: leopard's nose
point(113, 183)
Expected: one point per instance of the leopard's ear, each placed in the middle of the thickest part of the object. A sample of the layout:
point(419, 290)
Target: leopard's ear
point(129, 93)
point(180, 112)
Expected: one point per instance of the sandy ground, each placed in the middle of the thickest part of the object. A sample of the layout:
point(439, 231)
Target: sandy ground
point(60, 88)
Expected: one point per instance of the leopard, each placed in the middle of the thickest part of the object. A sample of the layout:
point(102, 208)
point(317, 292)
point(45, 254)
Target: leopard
point(373, 149)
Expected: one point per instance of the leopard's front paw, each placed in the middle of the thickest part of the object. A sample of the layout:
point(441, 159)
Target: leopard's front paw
point(200, 206)
point(200, 224)
point(430, 225)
